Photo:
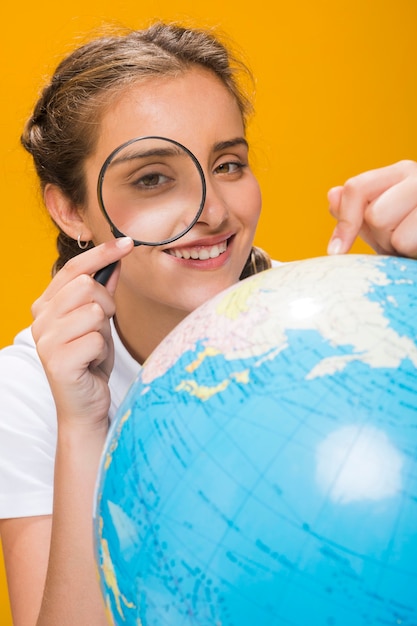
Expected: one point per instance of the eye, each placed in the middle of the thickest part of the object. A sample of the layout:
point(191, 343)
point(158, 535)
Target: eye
point(151, 180)
point(229, 167)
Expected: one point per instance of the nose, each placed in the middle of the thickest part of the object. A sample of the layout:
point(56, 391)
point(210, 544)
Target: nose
point(215, 210)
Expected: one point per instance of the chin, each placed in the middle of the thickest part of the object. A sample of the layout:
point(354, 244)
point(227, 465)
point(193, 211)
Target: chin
point(200, 296)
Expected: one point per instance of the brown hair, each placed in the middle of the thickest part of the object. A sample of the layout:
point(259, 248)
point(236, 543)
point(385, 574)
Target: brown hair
point(62, 131)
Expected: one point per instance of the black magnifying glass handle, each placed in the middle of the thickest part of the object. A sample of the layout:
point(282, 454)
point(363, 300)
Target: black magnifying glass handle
point(103, 275)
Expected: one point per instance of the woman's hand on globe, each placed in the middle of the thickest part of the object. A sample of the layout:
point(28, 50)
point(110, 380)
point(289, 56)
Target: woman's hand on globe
point(71, 329)
point(379, 205)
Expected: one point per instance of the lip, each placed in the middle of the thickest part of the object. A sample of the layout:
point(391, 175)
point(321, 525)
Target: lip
point(206, 242)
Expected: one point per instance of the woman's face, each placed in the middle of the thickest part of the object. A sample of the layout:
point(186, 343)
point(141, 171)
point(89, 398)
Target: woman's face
point(196, 110)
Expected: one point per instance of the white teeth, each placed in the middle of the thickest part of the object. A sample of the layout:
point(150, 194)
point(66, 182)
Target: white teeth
point(202, 254)
point(215, 251)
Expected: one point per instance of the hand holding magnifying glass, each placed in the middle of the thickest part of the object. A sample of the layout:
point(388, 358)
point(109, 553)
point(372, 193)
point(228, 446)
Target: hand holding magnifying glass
point(151, 189)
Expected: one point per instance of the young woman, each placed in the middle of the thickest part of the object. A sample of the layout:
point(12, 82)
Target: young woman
point(63, 379)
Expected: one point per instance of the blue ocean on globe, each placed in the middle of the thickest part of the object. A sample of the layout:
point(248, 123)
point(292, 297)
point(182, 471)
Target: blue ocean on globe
point(262, 470)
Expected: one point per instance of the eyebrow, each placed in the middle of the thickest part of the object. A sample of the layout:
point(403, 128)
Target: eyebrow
point(137, 154)
point(174, 151)
point(230, 143)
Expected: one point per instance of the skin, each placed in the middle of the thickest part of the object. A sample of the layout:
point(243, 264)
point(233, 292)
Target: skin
point(72, 331)
point(379, 205)
point(230, 214)
point(71, 318)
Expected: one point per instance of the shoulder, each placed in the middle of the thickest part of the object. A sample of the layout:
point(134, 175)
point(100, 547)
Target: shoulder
point(28, 424)
point(20, 367)
point(27, 431)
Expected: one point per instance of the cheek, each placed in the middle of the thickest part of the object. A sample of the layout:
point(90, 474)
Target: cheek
point(251, 206)
point(96, 221)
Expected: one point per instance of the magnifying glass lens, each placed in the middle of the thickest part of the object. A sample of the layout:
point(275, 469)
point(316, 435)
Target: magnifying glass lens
point(151, 189)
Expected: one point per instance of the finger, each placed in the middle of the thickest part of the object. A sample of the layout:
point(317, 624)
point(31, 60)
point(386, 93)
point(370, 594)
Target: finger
point(78, 387)
point(334, 196)
point(80, 343)
point(403, 239)
point(356, 195)
point(72, 296)
point(383, 216)
point(70, 363)
point(392, 206)
point(89, 262)
point(81, 321)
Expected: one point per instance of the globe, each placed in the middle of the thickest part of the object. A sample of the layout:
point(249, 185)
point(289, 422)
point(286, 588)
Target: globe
point(262, 469)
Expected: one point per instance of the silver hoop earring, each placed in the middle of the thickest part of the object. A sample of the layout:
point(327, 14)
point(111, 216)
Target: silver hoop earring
point(83, 245)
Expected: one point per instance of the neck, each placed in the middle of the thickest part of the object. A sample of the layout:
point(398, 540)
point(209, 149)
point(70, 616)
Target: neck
point(142, 328)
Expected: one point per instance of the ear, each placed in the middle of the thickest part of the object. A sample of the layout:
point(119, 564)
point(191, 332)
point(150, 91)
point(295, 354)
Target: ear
point(65, 213)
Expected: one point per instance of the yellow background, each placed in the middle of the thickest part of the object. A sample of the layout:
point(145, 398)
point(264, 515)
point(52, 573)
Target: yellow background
point(336, 95)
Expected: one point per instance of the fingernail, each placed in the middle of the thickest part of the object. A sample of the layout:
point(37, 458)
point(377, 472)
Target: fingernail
point(335, 246)
point(123, 242)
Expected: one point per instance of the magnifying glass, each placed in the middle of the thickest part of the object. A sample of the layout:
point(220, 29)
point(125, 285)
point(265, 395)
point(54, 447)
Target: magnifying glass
point(151, 189)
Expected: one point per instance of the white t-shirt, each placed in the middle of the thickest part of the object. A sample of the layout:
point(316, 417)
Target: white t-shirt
point(28, 424)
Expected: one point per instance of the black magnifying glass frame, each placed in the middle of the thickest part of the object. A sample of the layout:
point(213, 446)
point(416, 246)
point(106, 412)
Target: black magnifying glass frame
point(103, 275)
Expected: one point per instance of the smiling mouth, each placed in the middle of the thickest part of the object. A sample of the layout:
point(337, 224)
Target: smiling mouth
point(202, 253)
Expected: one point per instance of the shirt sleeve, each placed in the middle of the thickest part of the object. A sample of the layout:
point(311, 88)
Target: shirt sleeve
point(27, 432)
